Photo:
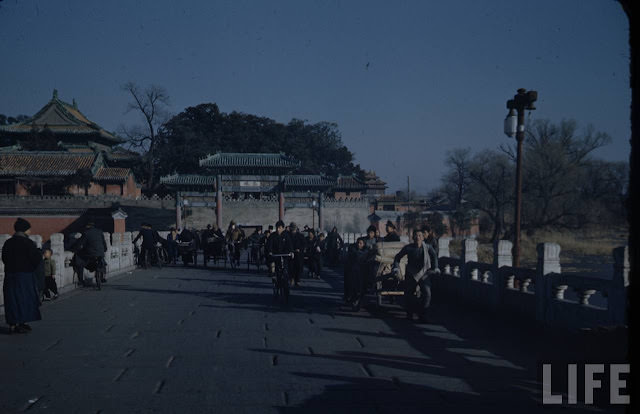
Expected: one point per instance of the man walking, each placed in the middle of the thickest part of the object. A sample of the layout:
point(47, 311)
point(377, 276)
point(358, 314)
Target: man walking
point(420, 266)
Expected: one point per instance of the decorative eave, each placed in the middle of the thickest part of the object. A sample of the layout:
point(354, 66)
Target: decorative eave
point(237, 160)
point(188, 180)
point(349, 183)
point(309, 181)
point(112, 175)
point(44, 163)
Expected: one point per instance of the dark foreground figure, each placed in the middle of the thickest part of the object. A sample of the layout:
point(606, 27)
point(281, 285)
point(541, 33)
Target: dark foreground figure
point(21, 258)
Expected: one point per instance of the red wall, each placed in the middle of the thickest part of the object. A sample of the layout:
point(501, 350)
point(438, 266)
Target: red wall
point(42, 225)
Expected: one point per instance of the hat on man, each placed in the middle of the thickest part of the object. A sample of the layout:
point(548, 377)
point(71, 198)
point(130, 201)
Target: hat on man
point(292, 225)
point(21, 225)
point(279, 223)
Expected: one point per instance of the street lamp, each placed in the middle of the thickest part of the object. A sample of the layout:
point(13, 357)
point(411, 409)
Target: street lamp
point(313, 212)
point(514, 125)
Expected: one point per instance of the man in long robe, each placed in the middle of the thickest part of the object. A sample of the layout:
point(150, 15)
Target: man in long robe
point(21, 258)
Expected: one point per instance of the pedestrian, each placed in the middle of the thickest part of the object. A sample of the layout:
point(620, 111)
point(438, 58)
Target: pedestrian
point(235, 236)
point(420, 266)
point(355, 272)
point(430, 237)
point(172, 245)
point(21, 258)
point(296, 265)
point(312, 253)
point(334, 244)
point(50, 286)
point(392, 235)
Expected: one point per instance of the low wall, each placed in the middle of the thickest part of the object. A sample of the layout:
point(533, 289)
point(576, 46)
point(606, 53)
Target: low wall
point(119, 258)
point(544, 294)
point(346, 216)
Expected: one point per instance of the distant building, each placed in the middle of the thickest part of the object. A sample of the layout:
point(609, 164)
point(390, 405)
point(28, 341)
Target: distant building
point(59, 151)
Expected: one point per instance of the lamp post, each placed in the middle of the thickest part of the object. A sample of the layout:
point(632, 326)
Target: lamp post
point(514, 126)
point(313, 212)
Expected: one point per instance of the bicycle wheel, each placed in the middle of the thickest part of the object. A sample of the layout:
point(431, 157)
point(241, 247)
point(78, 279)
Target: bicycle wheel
point(98, 277)
point(285, 286)
point(276, 287)
point(159, 258)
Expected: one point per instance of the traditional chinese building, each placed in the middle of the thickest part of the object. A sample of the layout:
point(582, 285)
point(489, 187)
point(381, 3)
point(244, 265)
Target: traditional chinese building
point(59, 151)
point(233, 177)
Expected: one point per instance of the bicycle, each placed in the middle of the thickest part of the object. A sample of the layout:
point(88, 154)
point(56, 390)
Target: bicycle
point(234, 253)
point(281, 284)
point(100, 272)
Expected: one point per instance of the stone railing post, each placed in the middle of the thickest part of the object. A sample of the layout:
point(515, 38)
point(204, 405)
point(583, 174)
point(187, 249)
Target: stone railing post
point(443, 246)
point(470, 254)
point(617, 299)
point(37, 239)
point(57, 249)
point(116, 250)
point(502, 253)
point(107, 254)
point(501, 257)
point(548, 263)
point(127, 250)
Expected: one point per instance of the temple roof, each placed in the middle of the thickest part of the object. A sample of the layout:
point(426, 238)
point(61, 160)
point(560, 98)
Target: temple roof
point(188, 179)
point(249, 160)
point(44, 163)
point(308, 181)
point(106, 174)
point(121, 154)
point(62, 118)
point(349, 182)
point(373, 181)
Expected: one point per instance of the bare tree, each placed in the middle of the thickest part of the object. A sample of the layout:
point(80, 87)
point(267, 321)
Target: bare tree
point(491, 189)
point(555, 163)
point(455, 184)
point(151, 103)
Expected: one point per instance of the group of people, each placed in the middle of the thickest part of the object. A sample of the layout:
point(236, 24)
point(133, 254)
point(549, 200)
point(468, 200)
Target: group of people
point(30, 272)
point(422, 261)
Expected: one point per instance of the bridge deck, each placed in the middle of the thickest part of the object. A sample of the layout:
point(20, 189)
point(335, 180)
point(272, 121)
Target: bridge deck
point(198, 340)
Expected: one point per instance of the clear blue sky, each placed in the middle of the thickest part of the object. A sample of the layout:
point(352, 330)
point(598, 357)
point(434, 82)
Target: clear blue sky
point(438, 75)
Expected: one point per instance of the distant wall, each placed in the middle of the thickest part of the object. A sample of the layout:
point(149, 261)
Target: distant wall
point(348, 216)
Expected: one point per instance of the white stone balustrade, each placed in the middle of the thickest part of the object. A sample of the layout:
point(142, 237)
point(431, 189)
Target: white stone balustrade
point(119, 257)
point(492, 285)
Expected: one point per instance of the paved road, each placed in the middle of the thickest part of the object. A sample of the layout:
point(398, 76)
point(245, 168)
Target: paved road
point(196, 341)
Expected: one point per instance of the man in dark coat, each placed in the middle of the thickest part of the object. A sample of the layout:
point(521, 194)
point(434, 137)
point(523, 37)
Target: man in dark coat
point(298, 242)
point(392, 235)
point(149, 239)
point(277, 243)
point(89, 249)
point(312, 252)
point(21, 258)
point(420, 265)
point(334, 244)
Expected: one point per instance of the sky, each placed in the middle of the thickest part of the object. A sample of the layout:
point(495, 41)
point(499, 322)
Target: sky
point(405, 81)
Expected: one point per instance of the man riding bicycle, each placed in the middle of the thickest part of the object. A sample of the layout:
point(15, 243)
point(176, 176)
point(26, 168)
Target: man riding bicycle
point(277, 243)
point(89, 249)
